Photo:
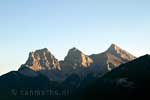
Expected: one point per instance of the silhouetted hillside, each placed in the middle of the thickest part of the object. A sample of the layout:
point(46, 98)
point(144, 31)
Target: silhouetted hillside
point(130, 80)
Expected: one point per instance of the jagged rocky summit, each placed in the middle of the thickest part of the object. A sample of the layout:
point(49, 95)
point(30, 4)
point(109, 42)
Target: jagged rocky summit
point(42, 60)
point(76, 62)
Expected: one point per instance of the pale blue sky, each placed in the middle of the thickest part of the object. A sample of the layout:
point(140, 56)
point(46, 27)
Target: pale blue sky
point(90, 25)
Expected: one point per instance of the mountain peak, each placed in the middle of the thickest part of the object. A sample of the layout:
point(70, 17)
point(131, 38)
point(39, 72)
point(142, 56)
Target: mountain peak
point(77, 58)
point(44, 49)
point(119, 52)
point(41, 50)
point(74, 52)
point(114, 47)
point(74, 49)
point(42, 59)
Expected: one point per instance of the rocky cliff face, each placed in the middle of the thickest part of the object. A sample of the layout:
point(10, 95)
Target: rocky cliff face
point(117, 56)
point(78, 59)
point(128, 81)
point(118, 52)
point(76, 62)
point(44, 63)
point(42, 60)
point(111, 58)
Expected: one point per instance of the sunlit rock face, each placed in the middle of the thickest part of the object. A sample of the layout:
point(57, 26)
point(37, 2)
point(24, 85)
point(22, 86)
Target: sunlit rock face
point(118, 52)
point(110, 59)
point(117, 56)
point(42, 60)
point(76, 62)
point(78, 59)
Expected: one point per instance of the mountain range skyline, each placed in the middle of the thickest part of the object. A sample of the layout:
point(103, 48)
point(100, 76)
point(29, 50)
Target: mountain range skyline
point(43, 58)
point(113, 45)
point(79, 49)
point(90, 25)
point(114, 73)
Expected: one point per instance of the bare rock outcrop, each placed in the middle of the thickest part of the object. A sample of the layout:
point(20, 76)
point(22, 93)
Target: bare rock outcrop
point(42, 60)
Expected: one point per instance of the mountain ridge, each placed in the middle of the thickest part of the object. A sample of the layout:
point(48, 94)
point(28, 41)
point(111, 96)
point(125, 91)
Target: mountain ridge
point(76, 61)
point(128, 81)
point(110, 75)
